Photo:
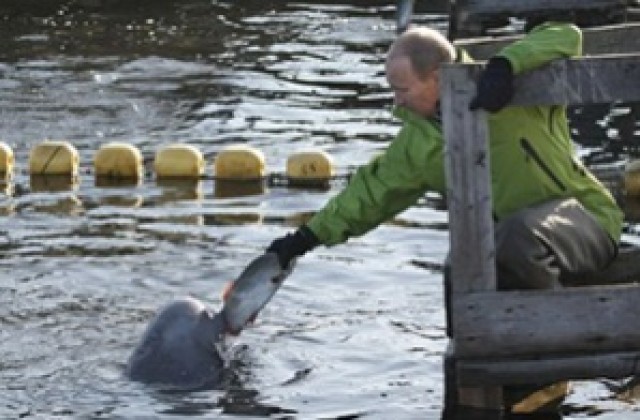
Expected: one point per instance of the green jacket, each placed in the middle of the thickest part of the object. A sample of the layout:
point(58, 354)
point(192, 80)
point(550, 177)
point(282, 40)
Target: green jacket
point(532, 158)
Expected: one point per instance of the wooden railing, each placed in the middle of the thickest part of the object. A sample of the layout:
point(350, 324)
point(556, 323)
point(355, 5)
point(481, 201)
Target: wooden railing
point(514, 337)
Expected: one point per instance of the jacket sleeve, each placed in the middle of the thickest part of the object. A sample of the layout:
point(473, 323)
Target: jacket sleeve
point(389, 184)
point(543, 44)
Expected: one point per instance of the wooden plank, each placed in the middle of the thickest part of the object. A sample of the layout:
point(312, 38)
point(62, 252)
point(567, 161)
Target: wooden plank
point(528, 323)
point(612, 39)
point(550, 369)
point(469, 202)
point(601, 79)
point(515, 8)
point(609, 39)
point(472, 249)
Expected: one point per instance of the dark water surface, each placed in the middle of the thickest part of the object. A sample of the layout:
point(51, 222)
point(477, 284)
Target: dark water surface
point(358, 330)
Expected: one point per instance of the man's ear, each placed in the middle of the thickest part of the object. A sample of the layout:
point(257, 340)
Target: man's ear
point(435, 74)
point(433, 80)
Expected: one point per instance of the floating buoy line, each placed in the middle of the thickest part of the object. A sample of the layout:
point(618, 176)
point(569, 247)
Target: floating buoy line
point(122, 163)
point(119, 161)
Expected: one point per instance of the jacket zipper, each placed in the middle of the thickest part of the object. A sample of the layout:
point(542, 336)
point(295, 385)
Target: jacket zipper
point(531, 152)
point(551, 112)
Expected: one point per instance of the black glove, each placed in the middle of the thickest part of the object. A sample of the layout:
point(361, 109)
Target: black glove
point(495, 87)
point(293, 245)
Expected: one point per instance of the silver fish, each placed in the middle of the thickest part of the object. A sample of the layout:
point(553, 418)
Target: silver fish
point(253, 289)
point(404, 12)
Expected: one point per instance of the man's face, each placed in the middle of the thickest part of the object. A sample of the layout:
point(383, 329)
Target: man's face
point(419, 95)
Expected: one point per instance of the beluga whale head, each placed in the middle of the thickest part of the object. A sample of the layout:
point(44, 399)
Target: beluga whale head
point(183, 345)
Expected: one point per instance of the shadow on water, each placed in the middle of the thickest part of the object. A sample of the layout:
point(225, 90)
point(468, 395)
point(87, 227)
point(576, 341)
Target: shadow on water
point(234, 401)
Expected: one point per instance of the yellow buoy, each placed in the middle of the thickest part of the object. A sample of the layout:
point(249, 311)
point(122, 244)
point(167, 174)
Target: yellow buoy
point(313, 167)
point(118, 160)
point(54, 158)
point(239, 162)
point(6, 188)
point(179, 160)
point(631, 178)
point(6, 160)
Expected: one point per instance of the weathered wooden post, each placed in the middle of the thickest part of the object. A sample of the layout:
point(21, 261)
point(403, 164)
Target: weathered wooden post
point(472, 250)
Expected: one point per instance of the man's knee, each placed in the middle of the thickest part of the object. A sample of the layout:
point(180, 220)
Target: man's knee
point(514, 239)
point(522, 259)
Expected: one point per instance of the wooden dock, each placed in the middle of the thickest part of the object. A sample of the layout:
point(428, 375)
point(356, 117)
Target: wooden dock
point(504, 338)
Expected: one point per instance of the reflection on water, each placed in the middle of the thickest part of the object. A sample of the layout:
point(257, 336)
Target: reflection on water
point(6, 187)
point(240, 188)
point(109, 182)
point(53, 183)
point(121, 200)
point(179, 189)
point(358, 330)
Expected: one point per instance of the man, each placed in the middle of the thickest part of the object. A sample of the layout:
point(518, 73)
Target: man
point(554, 220)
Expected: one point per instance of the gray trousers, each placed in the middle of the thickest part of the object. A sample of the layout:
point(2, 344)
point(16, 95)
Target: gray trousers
point(539, 247)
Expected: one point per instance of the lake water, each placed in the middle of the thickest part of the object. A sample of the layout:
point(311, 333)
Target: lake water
point(356, 332)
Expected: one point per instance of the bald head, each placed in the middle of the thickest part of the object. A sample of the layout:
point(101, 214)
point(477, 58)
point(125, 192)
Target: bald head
point(425, 48)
